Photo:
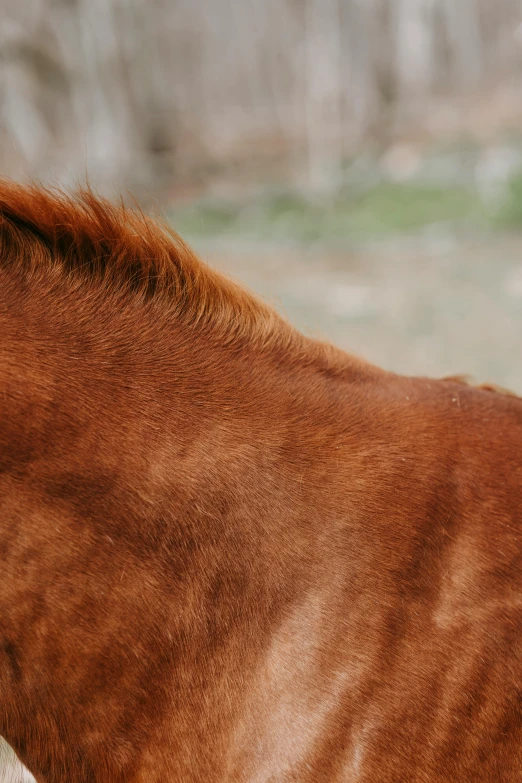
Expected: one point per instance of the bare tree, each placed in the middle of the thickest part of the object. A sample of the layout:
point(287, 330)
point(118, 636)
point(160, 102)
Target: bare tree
point(147, 91)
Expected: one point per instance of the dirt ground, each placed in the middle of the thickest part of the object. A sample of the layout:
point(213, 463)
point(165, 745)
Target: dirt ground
point(430, 305)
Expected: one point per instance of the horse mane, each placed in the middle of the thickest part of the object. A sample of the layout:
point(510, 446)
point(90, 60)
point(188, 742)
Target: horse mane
point(85, 237)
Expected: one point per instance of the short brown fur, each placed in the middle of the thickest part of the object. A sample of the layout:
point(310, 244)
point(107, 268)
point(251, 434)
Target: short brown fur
point(230, 554)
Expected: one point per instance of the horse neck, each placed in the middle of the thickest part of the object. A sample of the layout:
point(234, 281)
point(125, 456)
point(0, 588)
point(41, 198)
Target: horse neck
point(164, 494)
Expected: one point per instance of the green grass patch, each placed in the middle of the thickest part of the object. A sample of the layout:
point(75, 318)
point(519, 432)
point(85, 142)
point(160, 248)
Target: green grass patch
point(383, 210)
point(509, 213)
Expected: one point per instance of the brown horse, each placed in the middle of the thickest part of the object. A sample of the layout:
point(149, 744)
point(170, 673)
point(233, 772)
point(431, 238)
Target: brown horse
point(229, 553)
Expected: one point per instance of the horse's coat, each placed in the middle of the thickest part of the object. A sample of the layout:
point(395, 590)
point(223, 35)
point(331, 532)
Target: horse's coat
point(228, 553)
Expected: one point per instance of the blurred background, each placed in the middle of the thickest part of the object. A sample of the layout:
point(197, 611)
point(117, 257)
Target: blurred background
point(356, 162)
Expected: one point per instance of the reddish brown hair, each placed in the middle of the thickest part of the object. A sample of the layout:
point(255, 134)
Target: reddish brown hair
point(231, 553)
